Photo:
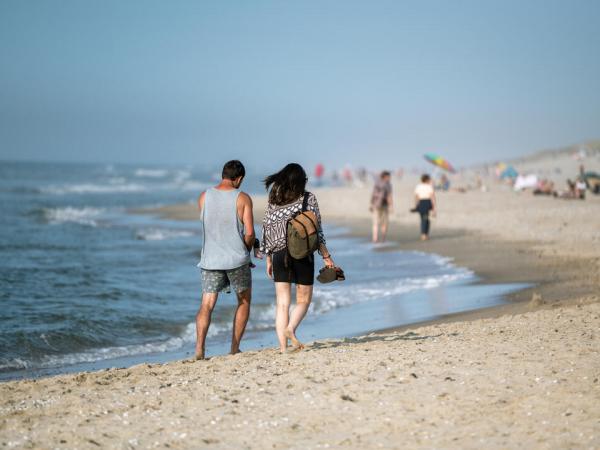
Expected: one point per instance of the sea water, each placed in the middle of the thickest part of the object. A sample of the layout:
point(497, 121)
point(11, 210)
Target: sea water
point(87, 284)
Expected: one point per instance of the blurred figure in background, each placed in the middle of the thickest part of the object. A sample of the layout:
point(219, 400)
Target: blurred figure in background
point(425, 204)
point(361, 174)
point(319, 172)
point(347, 175)
point(444, 183)
point(381, 206)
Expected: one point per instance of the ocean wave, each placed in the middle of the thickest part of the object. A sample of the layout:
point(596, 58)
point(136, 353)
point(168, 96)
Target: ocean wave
point(182, 175)
point(116, 180)
point(22, 190)
point(187, 337)
point(160, 234)
point(151, 173)
point(82, 216)
point(119, 185)
point(195, 186)
point(88, 188)
point(345, 295)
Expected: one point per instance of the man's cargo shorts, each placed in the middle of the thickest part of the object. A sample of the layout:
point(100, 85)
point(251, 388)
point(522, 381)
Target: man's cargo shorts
point(238, 280)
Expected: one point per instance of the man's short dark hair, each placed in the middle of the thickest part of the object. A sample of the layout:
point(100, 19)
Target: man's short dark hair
point(425, 178)
point(232, 170)
point(385, 173)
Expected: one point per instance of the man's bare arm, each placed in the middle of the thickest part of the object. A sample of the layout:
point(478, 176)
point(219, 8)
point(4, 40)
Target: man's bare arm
point(247, 219)
point(201, 201)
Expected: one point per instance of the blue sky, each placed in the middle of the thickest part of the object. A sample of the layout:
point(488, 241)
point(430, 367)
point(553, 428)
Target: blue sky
point(376, 83)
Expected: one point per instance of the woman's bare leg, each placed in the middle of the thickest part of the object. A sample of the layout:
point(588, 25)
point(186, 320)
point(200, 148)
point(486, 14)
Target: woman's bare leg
point(303, 299)
point(283, 293)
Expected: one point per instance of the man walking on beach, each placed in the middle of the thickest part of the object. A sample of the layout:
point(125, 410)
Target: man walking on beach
point(228, 227)
point(381, 206)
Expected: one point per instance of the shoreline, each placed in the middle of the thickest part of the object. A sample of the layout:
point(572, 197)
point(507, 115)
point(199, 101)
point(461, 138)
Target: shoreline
point(556, 279)
point(526, 373)
point(493, 260)
point(177, 355)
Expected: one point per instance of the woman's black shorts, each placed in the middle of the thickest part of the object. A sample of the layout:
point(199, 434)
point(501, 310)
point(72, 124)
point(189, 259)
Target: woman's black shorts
point(289, 270)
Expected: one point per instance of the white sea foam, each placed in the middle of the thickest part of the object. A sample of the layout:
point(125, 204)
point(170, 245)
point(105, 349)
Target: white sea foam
point(195, 186)
point(13, 364)
point(326, 299)
point(188, 336)
point(118, 185)
point(182, 175)
point(151, 173)
point(83, 216)
point(117, 180)
point(89, 188)
point(160, 234)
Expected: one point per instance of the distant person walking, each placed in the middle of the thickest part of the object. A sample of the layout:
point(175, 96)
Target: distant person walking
point(425, 204)
point(228, 228)
point(287, 198)
point(381, 206)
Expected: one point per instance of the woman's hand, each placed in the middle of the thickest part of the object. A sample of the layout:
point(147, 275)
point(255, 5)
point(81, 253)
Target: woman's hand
point(328, 260)
point(269, 267)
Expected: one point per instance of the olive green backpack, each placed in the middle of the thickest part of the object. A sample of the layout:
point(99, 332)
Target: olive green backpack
point(302, 232)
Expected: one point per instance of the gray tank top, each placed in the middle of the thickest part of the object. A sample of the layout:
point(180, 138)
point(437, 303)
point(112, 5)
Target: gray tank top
point(223, 231)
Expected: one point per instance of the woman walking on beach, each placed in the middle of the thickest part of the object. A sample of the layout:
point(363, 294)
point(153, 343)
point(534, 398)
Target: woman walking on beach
point(425, 204)
point(287, 198)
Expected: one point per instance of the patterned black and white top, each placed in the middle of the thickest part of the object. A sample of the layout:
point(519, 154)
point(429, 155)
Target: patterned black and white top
point(274, 232)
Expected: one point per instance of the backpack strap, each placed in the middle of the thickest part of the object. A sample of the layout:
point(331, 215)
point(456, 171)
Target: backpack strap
point(305, 202)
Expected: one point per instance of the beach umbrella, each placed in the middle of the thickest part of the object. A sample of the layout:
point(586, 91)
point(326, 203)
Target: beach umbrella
point(509, 172)
point(437, 160)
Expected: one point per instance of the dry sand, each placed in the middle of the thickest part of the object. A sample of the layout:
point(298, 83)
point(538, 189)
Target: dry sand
point(526, 378)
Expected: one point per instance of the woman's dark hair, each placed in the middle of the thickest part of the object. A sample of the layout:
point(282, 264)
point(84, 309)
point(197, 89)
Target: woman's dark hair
point(425, 178)
point(232, 170)
point(286, 185)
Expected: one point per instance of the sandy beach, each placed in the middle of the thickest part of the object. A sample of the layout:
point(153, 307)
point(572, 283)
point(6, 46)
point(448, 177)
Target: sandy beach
point(522, 375)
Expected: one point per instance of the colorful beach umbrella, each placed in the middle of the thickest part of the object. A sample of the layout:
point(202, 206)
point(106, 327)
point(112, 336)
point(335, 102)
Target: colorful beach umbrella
point(437, 160)
point(509, 172)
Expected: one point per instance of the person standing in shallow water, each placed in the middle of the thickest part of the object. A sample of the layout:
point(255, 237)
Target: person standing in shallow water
point(381, 206)
point(228, 227)
point(425, 204)
point(286, 199)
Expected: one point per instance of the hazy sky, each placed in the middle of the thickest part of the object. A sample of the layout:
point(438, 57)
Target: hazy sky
point(373, 82)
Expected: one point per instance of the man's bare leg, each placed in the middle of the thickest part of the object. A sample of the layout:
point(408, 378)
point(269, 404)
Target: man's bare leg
point(384, 228)
point(240, 319)
point(203, 321)
point(283, 292)
point(375, 227)
point(303, 299)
